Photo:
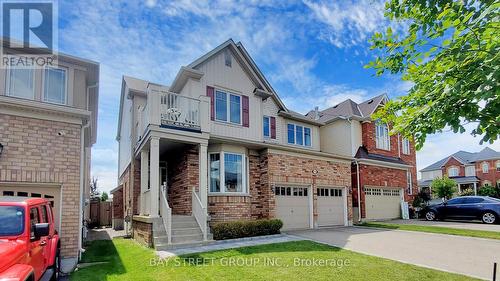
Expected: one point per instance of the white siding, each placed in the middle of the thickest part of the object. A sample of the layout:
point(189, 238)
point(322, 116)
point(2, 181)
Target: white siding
point(356, 136)
point(233, 79)
point(270, 108)
point(336, 138)
point(125, 144)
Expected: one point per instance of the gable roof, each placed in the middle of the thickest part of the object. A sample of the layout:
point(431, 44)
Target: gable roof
point(248, 65)
point(465, 158)
point(350, 109)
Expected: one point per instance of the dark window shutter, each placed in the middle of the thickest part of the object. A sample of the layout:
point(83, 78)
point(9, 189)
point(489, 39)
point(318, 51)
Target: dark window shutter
point(210, 93)
point(273, 127)
point(245, 111)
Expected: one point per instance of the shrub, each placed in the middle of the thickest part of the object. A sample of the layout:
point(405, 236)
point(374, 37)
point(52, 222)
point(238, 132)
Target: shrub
point(240, 229)
point(488, 190)
point(467, 192)
point(444, 187)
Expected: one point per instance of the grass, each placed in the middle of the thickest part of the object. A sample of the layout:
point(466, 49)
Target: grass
point(131, 261)
point(436, 229)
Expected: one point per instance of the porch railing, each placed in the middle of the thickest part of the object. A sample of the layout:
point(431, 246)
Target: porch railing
point(199, 213)
point(178, 110)
point(166, 213)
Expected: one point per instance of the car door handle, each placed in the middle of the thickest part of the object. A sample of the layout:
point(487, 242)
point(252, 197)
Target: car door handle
point(43, 243)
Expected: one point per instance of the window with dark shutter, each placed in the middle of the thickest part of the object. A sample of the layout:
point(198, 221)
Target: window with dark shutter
point(273, 127)
point(245, 111)
point(210, 93)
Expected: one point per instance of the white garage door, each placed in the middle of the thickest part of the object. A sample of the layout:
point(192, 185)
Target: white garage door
point(52, 194)
point(382, 203)
point(292, 206)
point(330, 206)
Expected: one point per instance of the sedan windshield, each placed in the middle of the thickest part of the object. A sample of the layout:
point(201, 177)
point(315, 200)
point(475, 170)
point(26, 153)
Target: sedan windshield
point(11, 220)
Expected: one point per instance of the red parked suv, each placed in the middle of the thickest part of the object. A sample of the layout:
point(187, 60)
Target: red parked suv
point(29, 243)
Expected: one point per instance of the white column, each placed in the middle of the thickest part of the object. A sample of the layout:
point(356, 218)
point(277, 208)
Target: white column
point(154, 174)
point(203, 178)
point(144, 180)
point(475, 188)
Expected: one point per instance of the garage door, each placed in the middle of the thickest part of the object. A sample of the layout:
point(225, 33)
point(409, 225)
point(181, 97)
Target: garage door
point(292, 206)
point(52, 194)
point(330, 206)
point(383, 203)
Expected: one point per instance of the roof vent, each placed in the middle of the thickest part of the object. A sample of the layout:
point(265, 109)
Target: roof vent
point(369, 102)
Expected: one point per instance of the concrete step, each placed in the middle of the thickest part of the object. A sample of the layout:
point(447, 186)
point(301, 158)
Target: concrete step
point(187, 238)
point(184, 224)
point(186, 231)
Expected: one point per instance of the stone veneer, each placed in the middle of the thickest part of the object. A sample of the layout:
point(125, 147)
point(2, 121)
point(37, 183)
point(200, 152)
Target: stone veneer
point(142, 232)
point(36, 152)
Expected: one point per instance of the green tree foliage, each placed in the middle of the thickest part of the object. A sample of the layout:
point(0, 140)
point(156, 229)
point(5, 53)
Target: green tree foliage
point(488, 190)
point(450, 52)
point(444, 187)
point(104, 196)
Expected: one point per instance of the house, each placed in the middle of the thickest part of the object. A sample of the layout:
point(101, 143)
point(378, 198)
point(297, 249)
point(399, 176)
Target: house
point(470, 170)
point(383, 169)
point(217, 145)
point(48, 124)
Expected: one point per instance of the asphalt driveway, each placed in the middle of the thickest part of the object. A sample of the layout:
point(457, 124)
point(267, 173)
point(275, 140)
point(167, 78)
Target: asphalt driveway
point(472, 225)
point(464, 255)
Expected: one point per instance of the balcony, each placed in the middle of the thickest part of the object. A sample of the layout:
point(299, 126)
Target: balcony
point(173, 111)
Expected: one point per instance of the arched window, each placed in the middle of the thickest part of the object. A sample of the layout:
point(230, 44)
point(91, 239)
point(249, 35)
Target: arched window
point(498, 166)
point(452, 172)
point(486, 167)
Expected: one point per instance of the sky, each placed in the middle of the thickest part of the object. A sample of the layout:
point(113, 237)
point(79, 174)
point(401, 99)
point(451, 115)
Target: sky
point(312, 52)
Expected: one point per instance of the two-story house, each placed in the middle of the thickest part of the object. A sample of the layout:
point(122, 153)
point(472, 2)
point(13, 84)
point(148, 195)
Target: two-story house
point(218, 144)
point(470, 170)
point(384, 166)
point(48, 124)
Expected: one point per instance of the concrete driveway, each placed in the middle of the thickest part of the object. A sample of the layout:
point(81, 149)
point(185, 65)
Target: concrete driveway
point(473, 225)
point(464, 255)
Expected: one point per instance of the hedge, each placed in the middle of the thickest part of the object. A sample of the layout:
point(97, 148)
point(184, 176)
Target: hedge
point(240, 229)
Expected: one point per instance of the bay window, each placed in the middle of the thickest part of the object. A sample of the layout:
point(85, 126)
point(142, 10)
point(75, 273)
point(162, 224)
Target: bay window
point(20, 83)
point(227, 107)
point(227, 172)
point(382, 136)
point(55, 85)
point(299, 135)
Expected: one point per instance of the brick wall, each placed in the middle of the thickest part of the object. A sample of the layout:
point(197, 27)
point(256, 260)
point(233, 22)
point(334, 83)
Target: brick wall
point(131, 188)
point(452, 162)
point(368, 140)
point(492, 176)
point(183, 171)
point(35, 152)
point(118, 204)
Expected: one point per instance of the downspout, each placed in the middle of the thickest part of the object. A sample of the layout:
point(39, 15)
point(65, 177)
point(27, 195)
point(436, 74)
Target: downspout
point(82, 175)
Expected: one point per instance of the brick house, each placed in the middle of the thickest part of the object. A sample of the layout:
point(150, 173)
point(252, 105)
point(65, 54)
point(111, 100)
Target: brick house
point(471, 170)
point(383, 170)
point(218, 144)
point(47, 128)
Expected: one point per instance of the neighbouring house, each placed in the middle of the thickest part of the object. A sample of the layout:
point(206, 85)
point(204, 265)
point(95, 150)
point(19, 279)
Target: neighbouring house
point(218, 145)
point(117, 208)
point(384, 166)
point(48, 124)
point(471, 170)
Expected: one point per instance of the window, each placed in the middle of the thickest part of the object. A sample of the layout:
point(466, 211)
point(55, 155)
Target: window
point(332, 192)
point(290, 191)
point(228, 169)
point(486, 167)
point(406, 146)
point(470, 171)
point(20, 83)
point(472, 200)
point(382, 136)
point(227, 107)
point(453, 172)
point(299, 135)
point(486, 183)
point(267, 126)
point(34, 219)
point(455, 201)
point(409, 183)
point(44, 214)
point(54, 89)
point(12, 218)
point(227, 57)
point(498, 166)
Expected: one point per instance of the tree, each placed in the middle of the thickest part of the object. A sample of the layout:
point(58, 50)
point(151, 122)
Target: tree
point(94, 190)
point(444, 187)
point(488, 190)
point(104, 196)
point(449, 51)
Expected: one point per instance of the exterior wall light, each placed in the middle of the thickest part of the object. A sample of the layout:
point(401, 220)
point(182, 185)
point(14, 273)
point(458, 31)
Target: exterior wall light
point(1, 149)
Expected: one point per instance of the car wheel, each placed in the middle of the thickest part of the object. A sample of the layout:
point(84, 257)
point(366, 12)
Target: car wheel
point(56, 267)
point(430, 215)
point(489, 218)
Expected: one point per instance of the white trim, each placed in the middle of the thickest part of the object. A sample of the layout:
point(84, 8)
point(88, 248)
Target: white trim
point(386, 138)
point(311, 206)
point(406, 146)
point(453, 168)
point(263, 132)
point(222, 185)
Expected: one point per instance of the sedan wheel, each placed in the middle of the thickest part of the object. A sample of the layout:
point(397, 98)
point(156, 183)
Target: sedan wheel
point(430, 216)
point(489, 218)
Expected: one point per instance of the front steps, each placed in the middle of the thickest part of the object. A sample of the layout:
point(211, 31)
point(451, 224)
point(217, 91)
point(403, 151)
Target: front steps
point(185, 232)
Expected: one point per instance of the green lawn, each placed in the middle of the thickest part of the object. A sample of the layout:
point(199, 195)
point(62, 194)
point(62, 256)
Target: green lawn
point(130, 261)
point(436, 229)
